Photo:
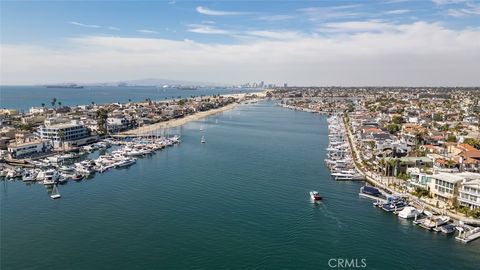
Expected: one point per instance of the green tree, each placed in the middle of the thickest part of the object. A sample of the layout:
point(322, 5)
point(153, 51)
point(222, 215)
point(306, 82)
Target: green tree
point(473, 142)
point(397, 120)
point(393, 128)
point(54, 101)
point(61, 136)
point(419, 138)
point(438, 117)
point(102, 116)
point(451, 138)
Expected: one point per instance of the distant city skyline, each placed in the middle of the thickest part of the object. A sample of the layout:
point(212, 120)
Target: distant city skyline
point(345, 43)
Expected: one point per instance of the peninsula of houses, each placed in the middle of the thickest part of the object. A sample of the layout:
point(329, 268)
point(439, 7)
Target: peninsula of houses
point(51, 145)
point(423, 143)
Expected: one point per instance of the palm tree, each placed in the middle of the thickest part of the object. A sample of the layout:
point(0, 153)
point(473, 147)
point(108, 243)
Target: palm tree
point(450, 163)
point(59, 104)
point(61, 135)
point(391, 165)
point(54, 101)
point(43, 105)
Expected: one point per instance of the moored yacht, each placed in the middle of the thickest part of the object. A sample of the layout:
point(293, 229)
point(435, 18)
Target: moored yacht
point(49, 176)
point(408, 212)
point(29, 175)
point(434, 221)
point(394, 204)
point(372, 191)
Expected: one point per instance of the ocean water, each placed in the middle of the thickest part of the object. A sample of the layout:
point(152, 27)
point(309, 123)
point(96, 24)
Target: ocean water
point(24, 97)
point(239, 201)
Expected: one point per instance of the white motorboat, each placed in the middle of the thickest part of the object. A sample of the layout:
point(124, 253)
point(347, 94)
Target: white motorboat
point(408, 212)
point(125, 162)
point(29, 175)
point(49, 176)
point(55, 194)
point(434, 221)
point(314, 195)
point(14, 173)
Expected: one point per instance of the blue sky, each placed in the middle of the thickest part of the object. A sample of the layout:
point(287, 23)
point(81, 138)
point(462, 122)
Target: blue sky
point(163, 30)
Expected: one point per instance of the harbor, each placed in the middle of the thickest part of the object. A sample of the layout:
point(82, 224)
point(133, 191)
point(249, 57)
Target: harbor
point(179, 194)
point(342, 167)
point(339, 158)
point(58, 169)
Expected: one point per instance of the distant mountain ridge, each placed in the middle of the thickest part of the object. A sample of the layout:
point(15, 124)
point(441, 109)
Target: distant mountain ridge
point(158, 82)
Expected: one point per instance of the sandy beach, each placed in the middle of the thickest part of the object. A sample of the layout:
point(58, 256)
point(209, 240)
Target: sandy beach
point(194, 117)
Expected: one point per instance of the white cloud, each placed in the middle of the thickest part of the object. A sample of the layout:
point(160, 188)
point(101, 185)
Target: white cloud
point(358, 26)
point(274, 18)
point(469, 9)
point(447, 2)
point(211, 12)
point(279, 35)
point(332, 12)
point(396, 1)
point(412, 54)
point(206, 29)
point(397, 11)
point(147, 31)
point(113, 28)
point(85, 25)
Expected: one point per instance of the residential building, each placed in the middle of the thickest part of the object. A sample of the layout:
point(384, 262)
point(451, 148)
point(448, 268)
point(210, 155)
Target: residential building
point(419, 179)
point(444, 187)
point(66, 134)
point(469, 191)
point(27, 149)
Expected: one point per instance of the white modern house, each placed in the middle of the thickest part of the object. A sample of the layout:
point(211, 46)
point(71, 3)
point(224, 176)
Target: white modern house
point(469, 191)
point(444, 187)
point(67, 134)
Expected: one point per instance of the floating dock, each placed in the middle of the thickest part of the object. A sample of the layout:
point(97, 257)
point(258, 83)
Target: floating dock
point(469, 236)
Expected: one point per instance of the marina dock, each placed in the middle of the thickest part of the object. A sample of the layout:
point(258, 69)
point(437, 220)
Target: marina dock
point(468, 236)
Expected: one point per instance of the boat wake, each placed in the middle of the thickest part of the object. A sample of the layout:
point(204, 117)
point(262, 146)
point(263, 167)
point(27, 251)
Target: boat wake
point(330, 215)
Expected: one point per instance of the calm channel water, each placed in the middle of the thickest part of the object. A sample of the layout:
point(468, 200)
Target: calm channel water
point(239, 201)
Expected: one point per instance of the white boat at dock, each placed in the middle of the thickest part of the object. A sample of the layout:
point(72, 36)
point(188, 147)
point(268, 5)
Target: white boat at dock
point(433, 221)
point(408, 212)
point(467, 234)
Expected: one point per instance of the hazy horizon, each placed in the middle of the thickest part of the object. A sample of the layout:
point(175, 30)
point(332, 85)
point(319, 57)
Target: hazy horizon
point(376, 43)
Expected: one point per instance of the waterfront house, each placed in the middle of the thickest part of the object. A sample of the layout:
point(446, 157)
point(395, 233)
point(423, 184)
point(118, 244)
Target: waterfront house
point(37, 110)
point(469, 192)
point(419, 179)
point(28, 149)
point(117, 124)
point(444, 187)
point(68, 135)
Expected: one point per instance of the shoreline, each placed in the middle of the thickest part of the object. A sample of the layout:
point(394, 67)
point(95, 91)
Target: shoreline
point(179, 122)
point(370, 178)
point(189, 118)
